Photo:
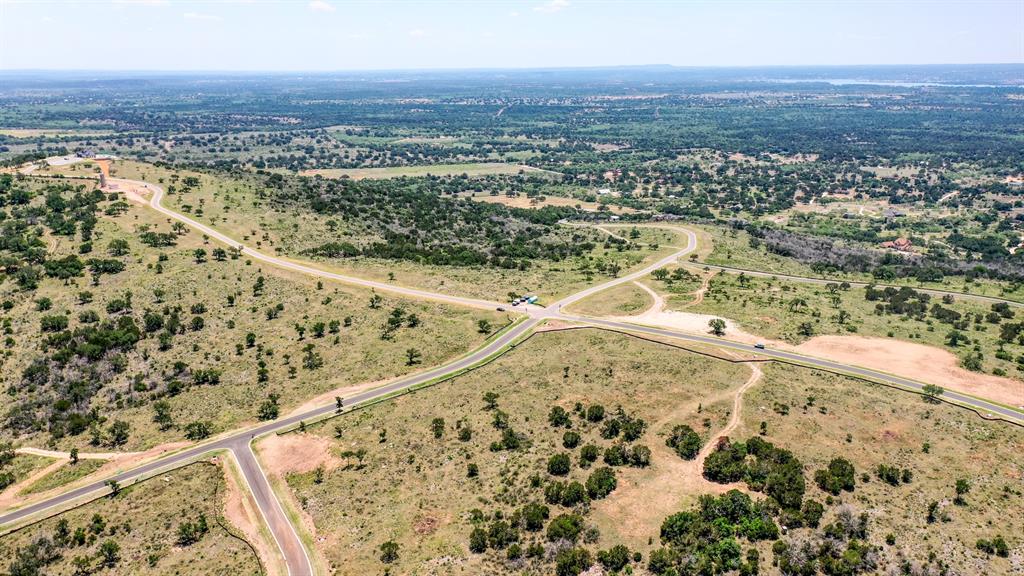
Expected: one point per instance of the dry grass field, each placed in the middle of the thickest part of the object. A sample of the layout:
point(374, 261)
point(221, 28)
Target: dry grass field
point(143, 520)
point(354, 354)
point(387, 477)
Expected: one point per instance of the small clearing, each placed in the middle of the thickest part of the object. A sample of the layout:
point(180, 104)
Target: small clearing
point(296, 453)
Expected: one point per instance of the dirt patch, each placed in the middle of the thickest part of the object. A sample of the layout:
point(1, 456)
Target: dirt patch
point(134, 192)
point(917, 361)
point(343, 392)
point(296, 453)
point(425, 525)
point(691, 323)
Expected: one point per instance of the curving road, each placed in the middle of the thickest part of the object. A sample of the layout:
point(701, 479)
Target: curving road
point(239, 443)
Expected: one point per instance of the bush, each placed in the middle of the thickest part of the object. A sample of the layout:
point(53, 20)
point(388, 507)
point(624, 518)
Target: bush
point(837, 477)
point(615, 558)
point(572, 561)
point(601, 483)
point(558, 465)
point(565, 527)
point(685, 441)
point(570, 440)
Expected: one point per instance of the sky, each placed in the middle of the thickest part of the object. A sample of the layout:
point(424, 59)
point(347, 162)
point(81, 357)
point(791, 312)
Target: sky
point(335, 35)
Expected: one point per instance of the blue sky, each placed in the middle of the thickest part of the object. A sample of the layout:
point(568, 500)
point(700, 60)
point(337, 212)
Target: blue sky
point(337, 35)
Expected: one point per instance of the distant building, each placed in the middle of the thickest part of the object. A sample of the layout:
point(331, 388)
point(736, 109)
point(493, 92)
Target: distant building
point(899, 244)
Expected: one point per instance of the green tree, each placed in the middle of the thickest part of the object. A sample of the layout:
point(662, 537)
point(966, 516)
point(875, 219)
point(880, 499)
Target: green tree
point(717, 326)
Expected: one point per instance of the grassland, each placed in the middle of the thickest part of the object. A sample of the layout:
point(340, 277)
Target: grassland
point(870, 424)
point(244, 212)
point(66, 474)
point(356, 354)
point(776, 309)
point(143, 521)
point(412, 488)
point(732, 248)
point(616, 301)
point(469, 169)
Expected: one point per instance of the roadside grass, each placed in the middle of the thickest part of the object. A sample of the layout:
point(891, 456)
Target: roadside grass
point(647, 234)
point(66, 474)
point(469, 169)
point(412, 488)
point(143, 520)
point(620, 300)
point(870, 424)
point(772, 309)
point(24, 465)
point(355, 355)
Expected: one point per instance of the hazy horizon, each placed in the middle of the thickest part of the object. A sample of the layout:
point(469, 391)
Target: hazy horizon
point(334, 36)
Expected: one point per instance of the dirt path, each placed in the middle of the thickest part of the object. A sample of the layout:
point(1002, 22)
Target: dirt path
point(659, 303)
point(734, 417)
point(644, 497)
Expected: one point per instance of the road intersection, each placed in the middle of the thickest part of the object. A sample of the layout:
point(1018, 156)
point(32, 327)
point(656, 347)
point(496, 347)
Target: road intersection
point(239, 443)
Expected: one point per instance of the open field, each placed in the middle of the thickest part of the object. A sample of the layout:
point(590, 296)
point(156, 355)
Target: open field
point(806, 314)
point(387, 477)
point(870, 425)
point(143, 521)
point(732, 248)
point(469, 169)
point(620, 300)
point(527, 202)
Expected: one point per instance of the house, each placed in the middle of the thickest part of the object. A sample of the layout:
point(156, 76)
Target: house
point(899, 244)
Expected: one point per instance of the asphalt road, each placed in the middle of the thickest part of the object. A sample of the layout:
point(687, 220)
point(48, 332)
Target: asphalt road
point(239, 443)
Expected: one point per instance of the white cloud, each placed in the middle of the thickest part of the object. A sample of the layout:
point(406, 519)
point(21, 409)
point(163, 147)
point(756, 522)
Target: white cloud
point(360, 36)
point(513, 14)
point(202, 17)
point(552, 6)
point(417, 33)
point(321, 6)
point(143, 2)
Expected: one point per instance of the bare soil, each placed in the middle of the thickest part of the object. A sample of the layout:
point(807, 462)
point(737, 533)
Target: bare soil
point(296, 453)
point(917, 361)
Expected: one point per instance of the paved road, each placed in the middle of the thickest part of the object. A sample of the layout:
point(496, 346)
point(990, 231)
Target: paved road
point(239, 443)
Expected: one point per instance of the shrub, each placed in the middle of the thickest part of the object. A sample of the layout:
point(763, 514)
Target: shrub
point(685, 441)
